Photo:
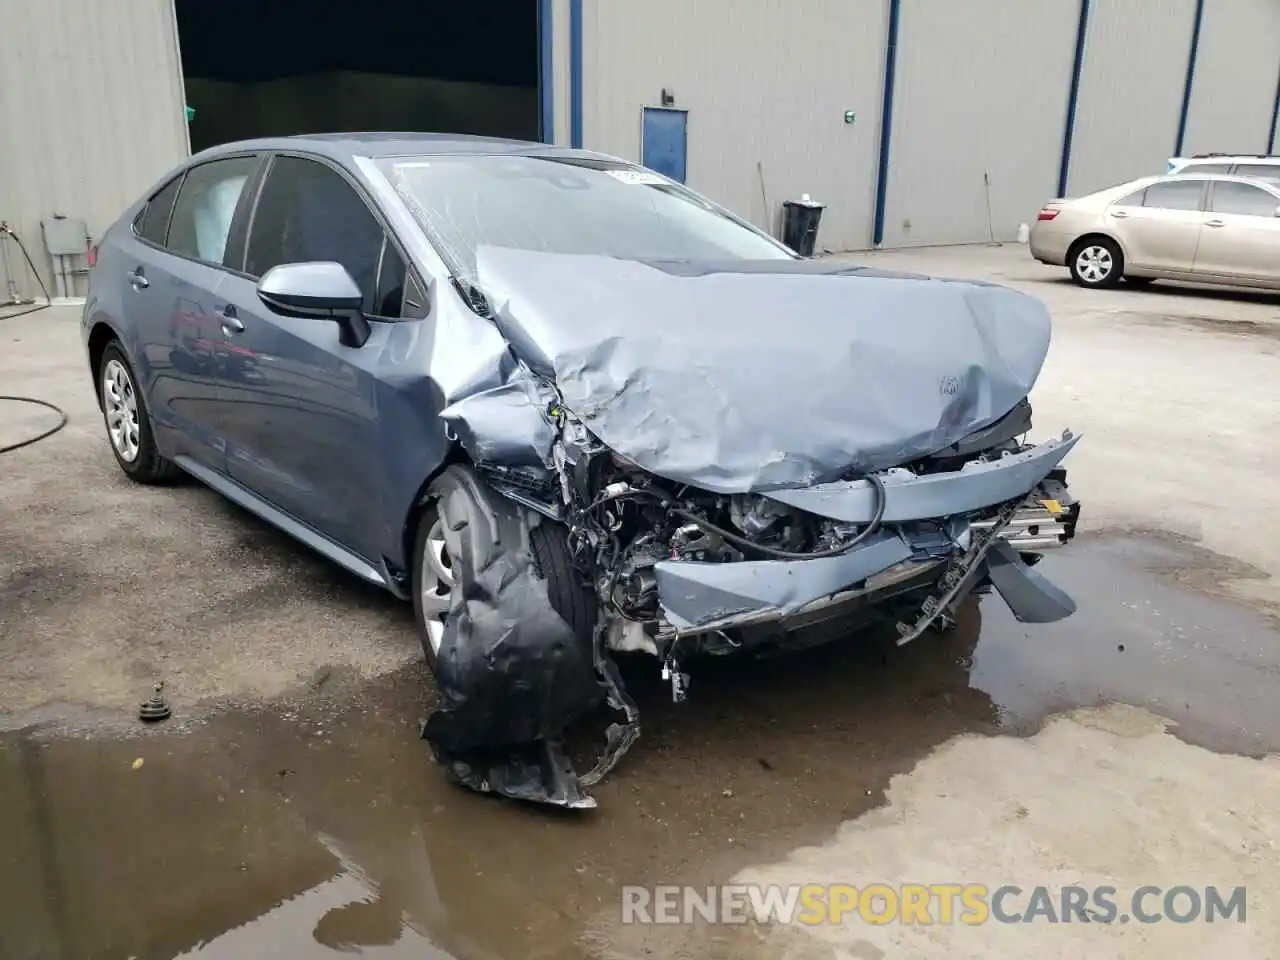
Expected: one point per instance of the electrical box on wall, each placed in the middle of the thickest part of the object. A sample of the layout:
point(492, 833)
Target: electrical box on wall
point(64, 237)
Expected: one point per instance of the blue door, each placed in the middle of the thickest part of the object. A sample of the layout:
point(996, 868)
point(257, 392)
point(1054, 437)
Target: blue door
point(664, 140)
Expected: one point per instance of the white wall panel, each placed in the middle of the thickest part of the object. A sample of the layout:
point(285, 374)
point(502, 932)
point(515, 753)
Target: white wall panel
point(1135, 67)
point(979, 109)
point(1234, 89)
point(90, 111)
point(766, 84)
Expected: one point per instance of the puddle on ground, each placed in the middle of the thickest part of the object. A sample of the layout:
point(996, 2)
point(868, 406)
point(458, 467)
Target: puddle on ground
point(316, 827)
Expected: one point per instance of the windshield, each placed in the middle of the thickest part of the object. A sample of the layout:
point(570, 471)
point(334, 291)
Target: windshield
point(567, 205)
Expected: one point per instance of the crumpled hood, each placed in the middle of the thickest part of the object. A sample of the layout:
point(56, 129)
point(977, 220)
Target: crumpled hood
point(769, 374)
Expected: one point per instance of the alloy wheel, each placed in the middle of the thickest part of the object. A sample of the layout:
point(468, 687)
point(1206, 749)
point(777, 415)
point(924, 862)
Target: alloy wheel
point(120, 402)
point(438, 582)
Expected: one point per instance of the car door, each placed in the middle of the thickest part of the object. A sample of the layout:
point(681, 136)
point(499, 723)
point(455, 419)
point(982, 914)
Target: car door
point(1241, 239)
point(1161, 234)
point(301, 414)
point(174, 265)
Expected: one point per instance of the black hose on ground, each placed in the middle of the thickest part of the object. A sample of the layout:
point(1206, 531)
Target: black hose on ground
point(62, 422)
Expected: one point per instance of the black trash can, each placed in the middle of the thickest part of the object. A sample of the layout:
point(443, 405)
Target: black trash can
point(800, 219)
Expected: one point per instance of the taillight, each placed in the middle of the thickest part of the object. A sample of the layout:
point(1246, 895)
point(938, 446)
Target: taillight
point(1048, 213)
point(92, 256)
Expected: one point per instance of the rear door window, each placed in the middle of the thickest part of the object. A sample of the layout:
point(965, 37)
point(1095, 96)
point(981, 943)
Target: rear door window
point(1175, 195)
point(206, 205)
point(153, 225)
point(1243, 199)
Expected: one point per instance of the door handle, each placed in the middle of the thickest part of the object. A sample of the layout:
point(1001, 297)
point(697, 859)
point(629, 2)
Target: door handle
point(1119, 214)
point(1215, 223)
point(137, 280)
point(231, 324)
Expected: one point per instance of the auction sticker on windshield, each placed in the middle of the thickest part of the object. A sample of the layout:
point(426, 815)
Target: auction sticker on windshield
point(641, 177)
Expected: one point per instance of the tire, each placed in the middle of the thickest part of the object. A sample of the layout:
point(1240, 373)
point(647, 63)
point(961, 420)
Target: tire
point(1096, 262)
point(128, 421)
point(464, 528)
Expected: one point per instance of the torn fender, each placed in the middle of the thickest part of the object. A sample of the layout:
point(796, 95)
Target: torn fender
point(511, 673)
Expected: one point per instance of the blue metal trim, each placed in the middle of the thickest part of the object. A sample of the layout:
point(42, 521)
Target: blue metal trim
point(1191, 76)
point(546, 75)
point(886, 119)
point(1073, 97)
point(1272, 147)
point(575, 73)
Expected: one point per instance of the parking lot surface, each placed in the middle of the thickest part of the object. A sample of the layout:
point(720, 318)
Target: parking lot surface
point(289, 807)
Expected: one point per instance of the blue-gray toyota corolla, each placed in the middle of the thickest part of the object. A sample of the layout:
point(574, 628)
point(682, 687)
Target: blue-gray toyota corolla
point(570, 408)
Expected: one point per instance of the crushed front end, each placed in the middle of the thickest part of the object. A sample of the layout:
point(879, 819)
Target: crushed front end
point(682, 573)
point(712, 512)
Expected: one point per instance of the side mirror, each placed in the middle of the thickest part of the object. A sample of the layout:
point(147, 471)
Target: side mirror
point(322, 290)
point(1277, 213)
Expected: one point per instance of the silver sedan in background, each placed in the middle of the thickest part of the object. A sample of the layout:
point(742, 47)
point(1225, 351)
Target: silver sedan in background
point(1203, 228)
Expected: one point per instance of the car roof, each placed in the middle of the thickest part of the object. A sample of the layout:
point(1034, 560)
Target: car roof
point(343, 147)
point(1270, 160)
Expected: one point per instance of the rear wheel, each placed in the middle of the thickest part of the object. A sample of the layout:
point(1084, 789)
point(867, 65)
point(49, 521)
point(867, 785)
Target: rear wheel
point(462, 532)
point(124, 410)
point(1096, 262)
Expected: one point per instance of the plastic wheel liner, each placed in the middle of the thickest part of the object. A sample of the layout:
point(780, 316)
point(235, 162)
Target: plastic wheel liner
point(511, 672)
point(788, 381)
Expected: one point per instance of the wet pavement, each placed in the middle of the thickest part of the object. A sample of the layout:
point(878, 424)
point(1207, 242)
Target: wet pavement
point(317, 823)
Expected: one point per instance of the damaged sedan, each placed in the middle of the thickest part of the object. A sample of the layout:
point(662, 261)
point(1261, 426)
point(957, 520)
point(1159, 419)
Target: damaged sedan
point(571, 409)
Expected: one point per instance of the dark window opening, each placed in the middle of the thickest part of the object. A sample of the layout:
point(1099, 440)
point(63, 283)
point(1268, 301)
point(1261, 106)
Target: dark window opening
point(319, 66)
point(308, 212)
point(153, 222)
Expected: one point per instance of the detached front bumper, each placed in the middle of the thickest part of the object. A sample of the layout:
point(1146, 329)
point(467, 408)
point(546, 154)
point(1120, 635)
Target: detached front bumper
point(929, 538)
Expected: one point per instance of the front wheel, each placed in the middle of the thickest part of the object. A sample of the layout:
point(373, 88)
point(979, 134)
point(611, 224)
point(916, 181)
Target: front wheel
point(1096, 262)
point(464, 530)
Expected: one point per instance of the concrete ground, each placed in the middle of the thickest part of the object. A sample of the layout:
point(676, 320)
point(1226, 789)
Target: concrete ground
point(289, 808)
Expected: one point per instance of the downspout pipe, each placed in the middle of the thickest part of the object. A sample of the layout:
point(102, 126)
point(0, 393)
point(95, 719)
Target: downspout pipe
point(546, 73)
point(886, 119)
point(575, 73)
point(1073, 98)
point(1190, 81)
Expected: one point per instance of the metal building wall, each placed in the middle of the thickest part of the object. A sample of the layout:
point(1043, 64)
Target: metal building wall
point(1135, 68)
point(979, 105)
point(1233, 91)
point(766, 84)
point(91, 112)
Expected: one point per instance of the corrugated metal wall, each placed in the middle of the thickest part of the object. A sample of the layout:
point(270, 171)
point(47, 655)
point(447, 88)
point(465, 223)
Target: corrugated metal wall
point(1234, 89)
point(90, 111)
point(766, 84)
point(981, 97)
point(1135, 68)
